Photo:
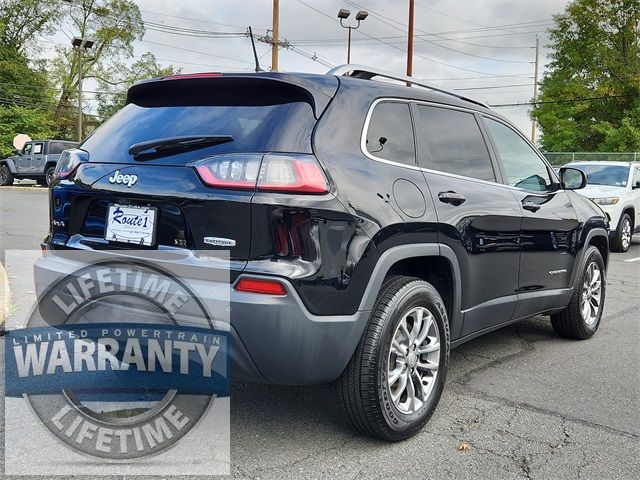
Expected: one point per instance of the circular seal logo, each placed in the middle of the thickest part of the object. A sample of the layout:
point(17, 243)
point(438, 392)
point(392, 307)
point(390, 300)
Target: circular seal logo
point(120, 360)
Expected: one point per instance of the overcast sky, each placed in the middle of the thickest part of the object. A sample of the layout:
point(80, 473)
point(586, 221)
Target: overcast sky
point(457, 43)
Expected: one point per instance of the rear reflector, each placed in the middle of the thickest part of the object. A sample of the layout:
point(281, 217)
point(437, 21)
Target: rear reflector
point(255, 285)
point(269, 173)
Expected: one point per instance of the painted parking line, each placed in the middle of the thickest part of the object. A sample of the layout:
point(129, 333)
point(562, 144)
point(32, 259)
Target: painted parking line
point(637, 259)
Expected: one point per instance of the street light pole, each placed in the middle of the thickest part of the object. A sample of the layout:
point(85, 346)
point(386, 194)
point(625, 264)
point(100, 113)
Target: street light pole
point(82, 45)
point(343, 14)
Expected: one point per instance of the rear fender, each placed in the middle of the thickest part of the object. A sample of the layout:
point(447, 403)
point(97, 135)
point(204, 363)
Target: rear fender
point(10, 162)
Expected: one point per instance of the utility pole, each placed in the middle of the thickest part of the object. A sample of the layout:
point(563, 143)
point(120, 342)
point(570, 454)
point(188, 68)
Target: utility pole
point(80, 51)
point(535, 90)
point(276, 35)
point(82, 45)
point(410, 39)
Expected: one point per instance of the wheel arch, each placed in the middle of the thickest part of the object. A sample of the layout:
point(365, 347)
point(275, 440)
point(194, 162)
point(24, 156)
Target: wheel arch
point(599, 238)
point(50, 163)
point(631, 210)
point(9, 162)
point(434, 263)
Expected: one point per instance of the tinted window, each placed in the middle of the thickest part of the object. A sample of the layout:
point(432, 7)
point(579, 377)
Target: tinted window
point(283, 127)
point(524, 168)
point(390, 133)
point(58, 147)
point(26, 150)
point(636, 176)
point(453, 143)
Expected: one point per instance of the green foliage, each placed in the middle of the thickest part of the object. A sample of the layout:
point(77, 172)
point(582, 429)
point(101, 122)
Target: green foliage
point(114, 25)
point(26, 100)
point(596, 54)
point(21, 20)
point(116, 95)
point(14, 119)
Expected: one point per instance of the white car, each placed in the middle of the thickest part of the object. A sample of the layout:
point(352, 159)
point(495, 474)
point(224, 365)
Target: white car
point(615, 187)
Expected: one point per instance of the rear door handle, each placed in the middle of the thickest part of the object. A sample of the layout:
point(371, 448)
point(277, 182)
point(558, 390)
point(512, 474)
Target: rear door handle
point(452, 198)
point(531, 206)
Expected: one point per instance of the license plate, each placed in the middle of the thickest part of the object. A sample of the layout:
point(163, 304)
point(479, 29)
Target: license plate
point(131, 224)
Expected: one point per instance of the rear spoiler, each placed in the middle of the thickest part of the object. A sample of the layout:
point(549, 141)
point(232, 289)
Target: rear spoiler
point(235, 89)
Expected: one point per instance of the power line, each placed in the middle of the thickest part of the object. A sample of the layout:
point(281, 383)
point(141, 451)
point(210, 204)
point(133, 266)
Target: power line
point(383, 19)
point(490, 87)
point(573, 100)
point(395, 47)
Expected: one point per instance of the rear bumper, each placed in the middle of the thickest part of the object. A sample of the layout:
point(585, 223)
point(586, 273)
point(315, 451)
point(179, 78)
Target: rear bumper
point(274, 339)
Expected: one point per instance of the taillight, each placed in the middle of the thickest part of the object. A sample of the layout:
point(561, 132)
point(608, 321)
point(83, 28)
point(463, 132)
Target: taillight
point(69, 161)
point(268, 173)
point(257, 285)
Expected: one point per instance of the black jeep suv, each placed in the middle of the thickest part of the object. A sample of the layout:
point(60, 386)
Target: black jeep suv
point(371, 226)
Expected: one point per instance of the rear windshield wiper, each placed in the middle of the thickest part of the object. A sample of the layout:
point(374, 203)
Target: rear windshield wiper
point(159, 145)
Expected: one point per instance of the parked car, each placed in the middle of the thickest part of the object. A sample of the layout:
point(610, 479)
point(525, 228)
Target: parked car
point(371, 226)
point(37, 160)
point(615, 187)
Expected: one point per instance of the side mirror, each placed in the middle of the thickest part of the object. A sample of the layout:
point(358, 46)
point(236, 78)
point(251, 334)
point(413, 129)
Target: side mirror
point(637, 185)
point(572, 178)
point(20, 153)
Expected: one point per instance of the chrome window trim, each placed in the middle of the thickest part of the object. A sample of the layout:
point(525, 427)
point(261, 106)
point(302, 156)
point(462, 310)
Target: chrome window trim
point(365, 128)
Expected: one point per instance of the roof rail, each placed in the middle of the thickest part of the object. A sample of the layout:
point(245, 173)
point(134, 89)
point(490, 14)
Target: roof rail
point(367, 73)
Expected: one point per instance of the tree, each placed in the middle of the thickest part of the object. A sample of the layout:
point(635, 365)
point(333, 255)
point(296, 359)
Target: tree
point(114, 25)
point(14, 119)
point(590, 97)
point(21, 20)
point(113, 97)
point(26, 99)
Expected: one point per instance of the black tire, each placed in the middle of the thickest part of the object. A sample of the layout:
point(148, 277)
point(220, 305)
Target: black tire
point(621, 242)
point(48, 175)
point(570, 323)
point(6, 177)
point(363, 385)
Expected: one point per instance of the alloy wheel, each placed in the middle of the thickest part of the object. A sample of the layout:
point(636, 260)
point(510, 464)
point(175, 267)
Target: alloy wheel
point(591, 300)
point(626, 233)
point(413, 360)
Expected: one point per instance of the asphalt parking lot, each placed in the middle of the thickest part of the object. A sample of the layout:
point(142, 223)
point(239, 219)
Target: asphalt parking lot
point(526, 403)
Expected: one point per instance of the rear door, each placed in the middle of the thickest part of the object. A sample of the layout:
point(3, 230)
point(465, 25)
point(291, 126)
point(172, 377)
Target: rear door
point(549, 224)
point(479, 218)
point(38, 157)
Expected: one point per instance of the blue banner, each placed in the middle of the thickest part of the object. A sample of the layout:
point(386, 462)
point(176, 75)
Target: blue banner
point(113, 362)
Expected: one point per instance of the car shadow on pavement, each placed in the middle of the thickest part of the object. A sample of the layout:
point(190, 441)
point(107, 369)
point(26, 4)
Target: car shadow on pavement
point(264, 413)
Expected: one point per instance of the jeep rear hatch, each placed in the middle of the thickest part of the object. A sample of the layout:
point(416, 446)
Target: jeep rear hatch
point(190, 148)
point(260, 112)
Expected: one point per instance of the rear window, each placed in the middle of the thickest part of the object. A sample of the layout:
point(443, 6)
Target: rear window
point(58, 147)
point(283, 127)
point(390, 133)
point(453, 143)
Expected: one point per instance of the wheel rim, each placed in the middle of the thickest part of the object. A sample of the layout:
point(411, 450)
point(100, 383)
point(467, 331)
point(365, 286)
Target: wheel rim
point(626, 233)
point(49, 176)
point(3, 175)
point(591, 301)
point(413, 361)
